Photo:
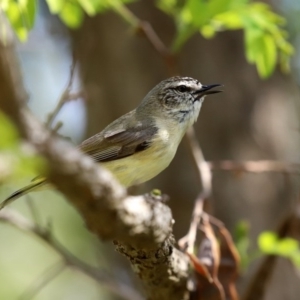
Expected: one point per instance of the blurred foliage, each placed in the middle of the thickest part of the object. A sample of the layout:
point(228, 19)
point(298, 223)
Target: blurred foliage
point(21, 15)
point(269, 243)
point(265, 40)
point(242, 243)
point(72, 12)
point(16, 161)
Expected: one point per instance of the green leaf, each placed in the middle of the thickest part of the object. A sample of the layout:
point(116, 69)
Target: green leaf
point(15, 161)
point(31, 12)
point(208, 31)
point(268, 56)
point(184, 33)
point(265, 40)
point(196, 12)
point(287, 247)
point(170, 7)
point(14, 15)
point(9, 135)
point(28, 12)
point(296, 259)
point(261, 49)
point(4, 4)
point(90, 6)
point(71, 14)
point(267, 242)
point(72, 11)
point(267, 47)
point(218, 6)
point(21, 15)
point(242, 230)
point(228, 20)
point(252, 37)
point(55, 6)
point(242, 242)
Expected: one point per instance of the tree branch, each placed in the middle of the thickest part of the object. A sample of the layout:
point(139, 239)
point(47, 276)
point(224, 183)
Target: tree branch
point(259, 166)
point(142, 225)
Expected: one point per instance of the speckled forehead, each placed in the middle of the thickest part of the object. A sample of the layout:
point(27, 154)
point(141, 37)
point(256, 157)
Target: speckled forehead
point(188, 81)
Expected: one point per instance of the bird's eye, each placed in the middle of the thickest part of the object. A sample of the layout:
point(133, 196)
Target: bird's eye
point(183, 88)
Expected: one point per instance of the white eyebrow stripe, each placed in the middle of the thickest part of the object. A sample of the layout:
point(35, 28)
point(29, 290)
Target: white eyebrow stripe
point(188, 83)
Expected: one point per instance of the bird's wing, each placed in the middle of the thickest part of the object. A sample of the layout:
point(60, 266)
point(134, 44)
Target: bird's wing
point(116, 142)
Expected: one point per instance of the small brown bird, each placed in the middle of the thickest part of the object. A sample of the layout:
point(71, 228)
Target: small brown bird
point(142, 143)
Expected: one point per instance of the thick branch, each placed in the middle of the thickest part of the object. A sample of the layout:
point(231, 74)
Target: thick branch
point(141, 224)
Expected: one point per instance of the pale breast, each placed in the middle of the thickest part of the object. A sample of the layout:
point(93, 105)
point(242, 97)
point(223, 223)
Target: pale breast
point(144, 165)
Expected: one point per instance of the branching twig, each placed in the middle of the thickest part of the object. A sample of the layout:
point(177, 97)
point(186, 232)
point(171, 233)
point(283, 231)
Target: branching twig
point(205, 177)
point(20, 222)
point(65, 96)
point(147, 30)
point(169, 59)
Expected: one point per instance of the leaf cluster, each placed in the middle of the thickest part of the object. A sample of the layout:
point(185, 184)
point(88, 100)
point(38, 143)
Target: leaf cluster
point(21, 15)
point(264, 37)
point(269, 243)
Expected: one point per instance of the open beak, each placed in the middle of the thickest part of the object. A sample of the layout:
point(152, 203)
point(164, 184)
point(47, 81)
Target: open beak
point(206, 90)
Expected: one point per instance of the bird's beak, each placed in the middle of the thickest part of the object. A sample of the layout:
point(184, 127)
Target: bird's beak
point(206, 90)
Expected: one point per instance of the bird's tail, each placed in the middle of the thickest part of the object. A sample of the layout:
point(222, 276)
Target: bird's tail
point(36, 184)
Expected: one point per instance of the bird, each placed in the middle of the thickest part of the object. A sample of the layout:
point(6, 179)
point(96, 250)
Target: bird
point(142, 143)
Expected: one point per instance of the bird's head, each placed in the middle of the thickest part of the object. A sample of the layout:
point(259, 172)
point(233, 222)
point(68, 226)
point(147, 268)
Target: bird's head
point(178, 98)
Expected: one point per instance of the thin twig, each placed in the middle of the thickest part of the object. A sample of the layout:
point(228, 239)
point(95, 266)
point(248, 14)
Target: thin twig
point(65, 96)
point(20, 222)
point(259, 166)
point(147, 30)
point(160, 47)
point(203, 168)
point(205, 177)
